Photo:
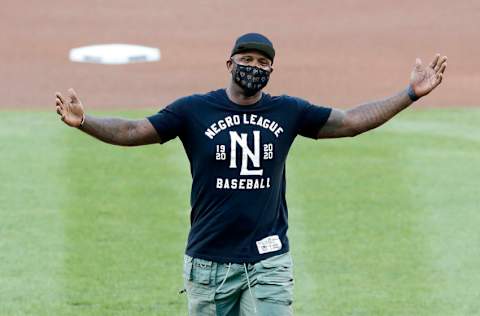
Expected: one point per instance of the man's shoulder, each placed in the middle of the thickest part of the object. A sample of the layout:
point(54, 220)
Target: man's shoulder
point(295, 101)
point(285, 99)
point(192, 99)
point(214, 94)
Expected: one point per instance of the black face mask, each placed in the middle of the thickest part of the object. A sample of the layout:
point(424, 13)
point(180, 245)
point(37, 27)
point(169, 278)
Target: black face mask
point(251, 79)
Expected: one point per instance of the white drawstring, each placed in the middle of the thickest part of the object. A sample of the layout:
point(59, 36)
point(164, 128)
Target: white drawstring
point(250, 289)
point(248, 283)
point(225, 278)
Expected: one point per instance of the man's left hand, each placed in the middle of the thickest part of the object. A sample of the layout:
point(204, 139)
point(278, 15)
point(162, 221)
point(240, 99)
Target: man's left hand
point(425, 79)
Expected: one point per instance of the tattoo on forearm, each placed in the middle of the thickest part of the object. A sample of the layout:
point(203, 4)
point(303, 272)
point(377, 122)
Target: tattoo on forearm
point(114, 131)
point(373, 114)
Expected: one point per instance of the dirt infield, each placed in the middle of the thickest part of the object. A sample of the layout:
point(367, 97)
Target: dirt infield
point(337, 53)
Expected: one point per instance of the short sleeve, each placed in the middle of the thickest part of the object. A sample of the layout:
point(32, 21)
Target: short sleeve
point(312, 118)
point(169, 122)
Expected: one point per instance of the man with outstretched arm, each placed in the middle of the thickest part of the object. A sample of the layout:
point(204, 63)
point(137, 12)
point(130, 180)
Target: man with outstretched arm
point(237, 259)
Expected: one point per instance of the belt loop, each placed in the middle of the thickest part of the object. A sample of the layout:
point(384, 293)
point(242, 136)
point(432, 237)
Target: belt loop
point(213, 272)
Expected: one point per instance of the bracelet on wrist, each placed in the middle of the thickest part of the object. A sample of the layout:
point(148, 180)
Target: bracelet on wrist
point(412, 94)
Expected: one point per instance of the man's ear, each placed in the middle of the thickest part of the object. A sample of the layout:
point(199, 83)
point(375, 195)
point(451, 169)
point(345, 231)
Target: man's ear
point(229, 65)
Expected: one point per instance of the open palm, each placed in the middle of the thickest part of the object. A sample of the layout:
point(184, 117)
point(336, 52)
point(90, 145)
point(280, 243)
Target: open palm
point(424, 79)
point(71, 110)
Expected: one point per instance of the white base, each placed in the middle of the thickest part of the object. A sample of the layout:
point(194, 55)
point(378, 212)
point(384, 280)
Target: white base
point(114, 54)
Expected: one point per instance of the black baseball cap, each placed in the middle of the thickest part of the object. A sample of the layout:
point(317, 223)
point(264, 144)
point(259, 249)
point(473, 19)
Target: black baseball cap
point(254, 41)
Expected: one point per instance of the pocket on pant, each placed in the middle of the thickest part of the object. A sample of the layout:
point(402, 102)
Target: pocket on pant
point(201, 271)
point(275, 280)
point(276, 290)
point(199, 288)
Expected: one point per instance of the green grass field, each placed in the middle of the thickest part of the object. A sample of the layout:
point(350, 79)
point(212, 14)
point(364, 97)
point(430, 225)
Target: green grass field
point(387, 223)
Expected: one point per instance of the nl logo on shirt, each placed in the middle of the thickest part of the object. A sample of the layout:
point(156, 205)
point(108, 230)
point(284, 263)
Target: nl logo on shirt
point(252, 156)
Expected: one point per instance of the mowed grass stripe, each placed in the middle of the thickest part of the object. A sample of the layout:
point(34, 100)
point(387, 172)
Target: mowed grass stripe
point(31, 227)
point(429, 206)
point(352, 227)
point(444, 180)
point(126, 225)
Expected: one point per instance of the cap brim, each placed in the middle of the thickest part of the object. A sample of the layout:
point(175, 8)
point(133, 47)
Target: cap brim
point(265, 50)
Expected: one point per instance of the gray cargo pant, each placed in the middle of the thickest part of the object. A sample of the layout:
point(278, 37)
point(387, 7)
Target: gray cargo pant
point(260, 289)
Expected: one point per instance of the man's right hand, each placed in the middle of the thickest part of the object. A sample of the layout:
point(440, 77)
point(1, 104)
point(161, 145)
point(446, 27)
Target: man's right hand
point(71, 110)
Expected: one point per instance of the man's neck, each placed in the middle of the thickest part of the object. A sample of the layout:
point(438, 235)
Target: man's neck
point(236, 95)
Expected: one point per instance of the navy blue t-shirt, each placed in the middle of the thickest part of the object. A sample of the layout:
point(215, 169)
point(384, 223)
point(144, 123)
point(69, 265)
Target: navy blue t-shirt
point(237, 157)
